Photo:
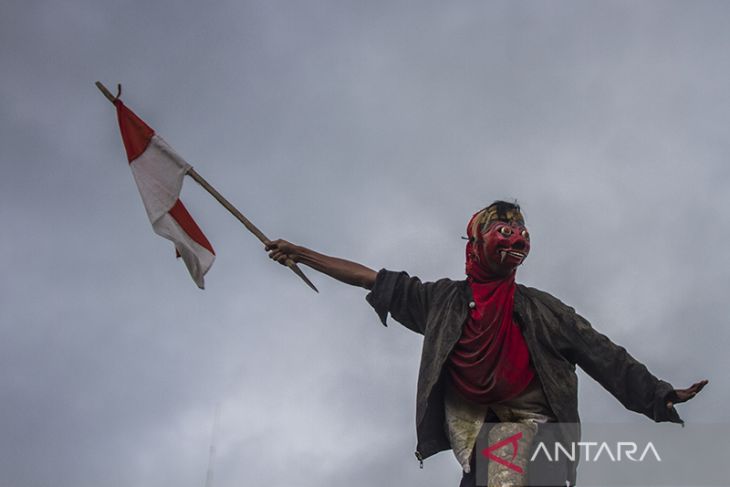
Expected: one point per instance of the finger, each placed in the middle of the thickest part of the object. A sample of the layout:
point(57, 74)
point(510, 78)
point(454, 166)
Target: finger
point(670, 405)
point(695, 388)
point(275, 244)
point(700, 385)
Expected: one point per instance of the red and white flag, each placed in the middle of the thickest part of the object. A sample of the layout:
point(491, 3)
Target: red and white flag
point(159, 172)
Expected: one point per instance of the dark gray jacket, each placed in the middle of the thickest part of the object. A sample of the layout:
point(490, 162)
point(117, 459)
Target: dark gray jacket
point(557, 338)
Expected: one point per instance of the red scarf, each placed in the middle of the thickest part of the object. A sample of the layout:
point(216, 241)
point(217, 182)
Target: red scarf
point(490, 363)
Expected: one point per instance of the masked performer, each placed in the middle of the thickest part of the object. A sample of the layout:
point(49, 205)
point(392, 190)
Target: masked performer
point(497, 350)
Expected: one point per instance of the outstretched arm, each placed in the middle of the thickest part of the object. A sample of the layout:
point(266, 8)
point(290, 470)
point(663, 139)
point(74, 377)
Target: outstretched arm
point(622, 375)
point(343, 270)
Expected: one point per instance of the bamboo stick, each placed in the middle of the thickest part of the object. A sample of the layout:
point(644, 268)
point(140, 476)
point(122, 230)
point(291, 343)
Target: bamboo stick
point(245, 221)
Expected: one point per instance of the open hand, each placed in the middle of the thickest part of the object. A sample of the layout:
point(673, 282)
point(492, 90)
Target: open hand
point(684, 395)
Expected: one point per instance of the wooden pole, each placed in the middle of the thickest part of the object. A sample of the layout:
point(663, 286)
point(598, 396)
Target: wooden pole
point(226, 204)
point(108, 93)
point(246, 222)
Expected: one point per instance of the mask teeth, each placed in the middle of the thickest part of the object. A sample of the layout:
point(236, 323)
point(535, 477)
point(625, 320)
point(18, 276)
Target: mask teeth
point(504, 253)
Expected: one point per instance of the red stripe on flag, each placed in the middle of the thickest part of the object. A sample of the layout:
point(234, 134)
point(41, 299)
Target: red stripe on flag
point(183, 218)
point(136, 134)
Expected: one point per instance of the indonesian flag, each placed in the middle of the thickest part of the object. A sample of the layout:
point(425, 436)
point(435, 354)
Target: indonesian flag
point(159, 171)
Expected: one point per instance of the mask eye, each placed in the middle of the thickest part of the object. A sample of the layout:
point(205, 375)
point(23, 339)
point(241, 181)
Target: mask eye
point(525, 235)
point(506, 231)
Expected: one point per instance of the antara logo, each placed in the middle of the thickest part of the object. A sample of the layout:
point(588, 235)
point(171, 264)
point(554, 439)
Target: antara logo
point(512, 440)
point(622, 450)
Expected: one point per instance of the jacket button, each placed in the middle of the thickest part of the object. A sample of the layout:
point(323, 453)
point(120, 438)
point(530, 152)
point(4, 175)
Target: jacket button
point(472, 304)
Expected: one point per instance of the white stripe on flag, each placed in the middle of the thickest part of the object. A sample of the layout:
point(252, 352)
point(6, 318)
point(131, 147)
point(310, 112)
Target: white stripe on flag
point(159, 173)
point(197, 258)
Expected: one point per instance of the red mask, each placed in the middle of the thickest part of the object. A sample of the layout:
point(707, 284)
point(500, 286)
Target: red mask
point(497, 251)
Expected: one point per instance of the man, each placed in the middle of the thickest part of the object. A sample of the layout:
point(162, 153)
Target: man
point(495, 349)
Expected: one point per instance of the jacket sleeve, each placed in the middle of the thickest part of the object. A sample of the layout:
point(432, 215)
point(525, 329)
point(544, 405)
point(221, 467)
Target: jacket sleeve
point(618, 372)
point(406, 298)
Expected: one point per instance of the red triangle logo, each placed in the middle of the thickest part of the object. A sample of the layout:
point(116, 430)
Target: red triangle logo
point(512, 440)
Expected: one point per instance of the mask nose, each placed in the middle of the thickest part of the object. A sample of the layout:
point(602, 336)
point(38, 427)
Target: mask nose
point(519, 243)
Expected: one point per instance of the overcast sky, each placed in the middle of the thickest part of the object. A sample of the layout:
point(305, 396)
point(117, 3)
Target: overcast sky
point(368, 130)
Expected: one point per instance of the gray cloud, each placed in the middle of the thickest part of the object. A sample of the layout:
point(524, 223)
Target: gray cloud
point(367, 130)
